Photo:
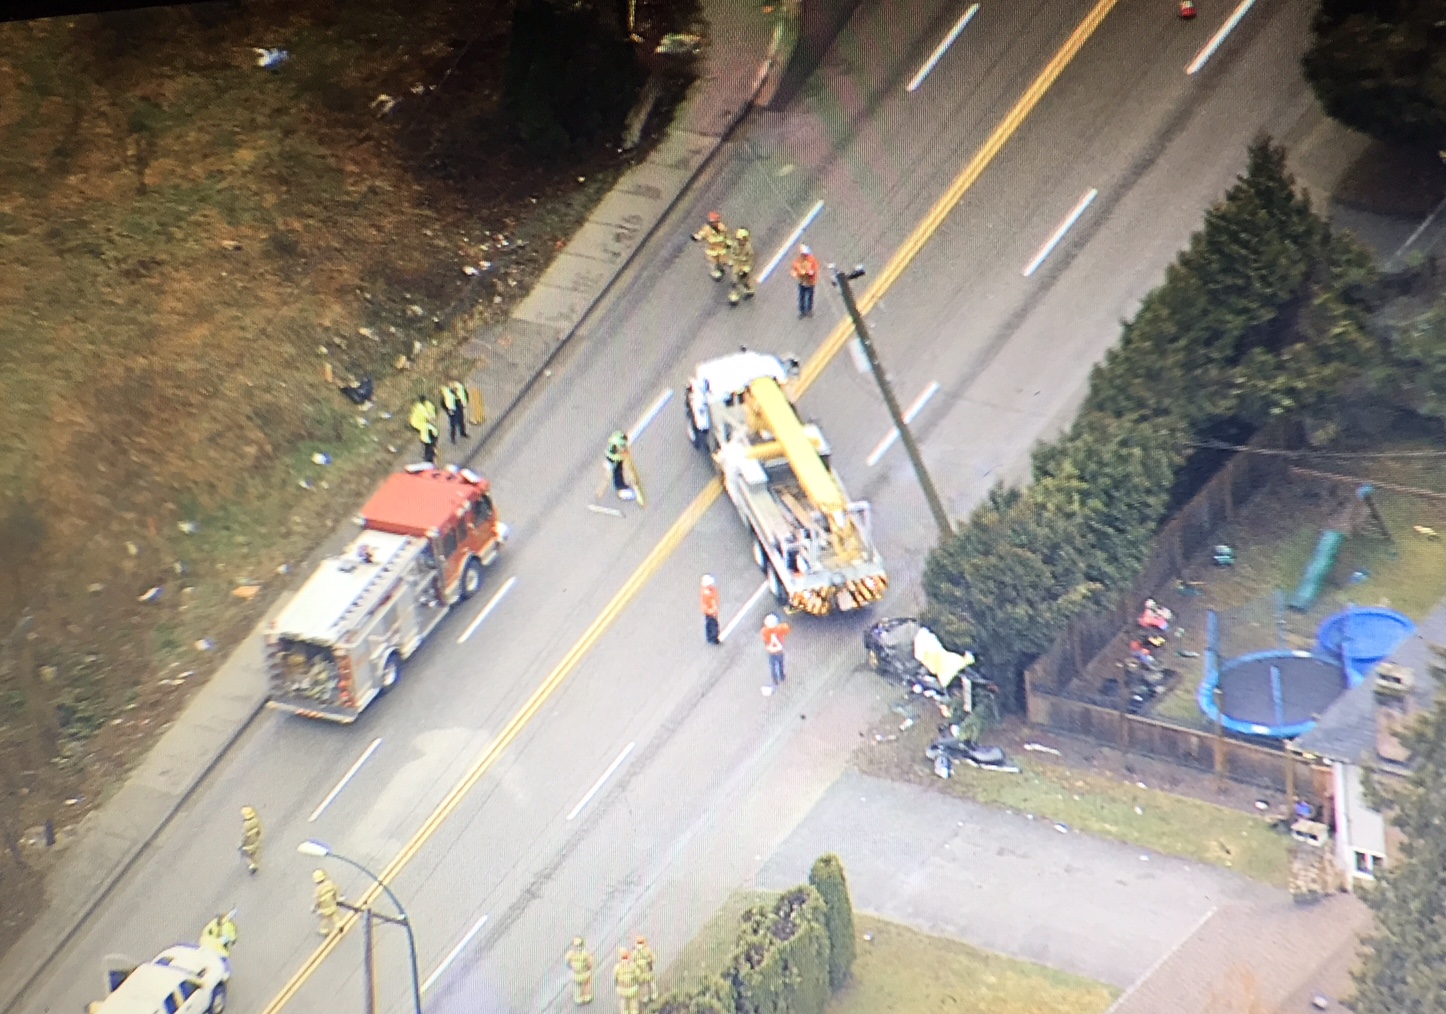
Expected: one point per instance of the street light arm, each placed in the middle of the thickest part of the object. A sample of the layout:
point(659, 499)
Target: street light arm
point(404, 919)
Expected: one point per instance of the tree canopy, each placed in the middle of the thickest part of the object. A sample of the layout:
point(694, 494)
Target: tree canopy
point(1380, 66)
point(1403, 967)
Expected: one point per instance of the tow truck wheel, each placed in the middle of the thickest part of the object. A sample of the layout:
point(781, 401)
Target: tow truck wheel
point(695, 436)
point(758, 556)
point(391, 671)
point(218, 999)
point(471, 578)
point(775, 585)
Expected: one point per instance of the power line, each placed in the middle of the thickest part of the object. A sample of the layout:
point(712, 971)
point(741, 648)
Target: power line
point(1358, 480)
point(1216, 445)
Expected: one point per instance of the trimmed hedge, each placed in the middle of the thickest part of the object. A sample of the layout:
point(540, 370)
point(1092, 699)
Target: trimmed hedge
point(827, 878)
point(784, 961)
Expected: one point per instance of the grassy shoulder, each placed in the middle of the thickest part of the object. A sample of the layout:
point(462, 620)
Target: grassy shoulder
point(902, 971)
point(1106, 807)
point(187, 242)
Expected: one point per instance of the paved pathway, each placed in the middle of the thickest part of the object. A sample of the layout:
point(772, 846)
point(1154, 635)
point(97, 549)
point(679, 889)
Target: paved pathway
point(1013, 885)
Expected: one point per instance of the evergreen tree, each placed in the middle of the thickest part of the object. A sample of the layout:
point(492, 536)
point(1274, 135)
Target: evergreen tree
point(1007, 583)
point(1111, 479)
point(1265, 313)
point(1403, 967)
point(1418, 362)
point(1378, 66)
point(827, 878)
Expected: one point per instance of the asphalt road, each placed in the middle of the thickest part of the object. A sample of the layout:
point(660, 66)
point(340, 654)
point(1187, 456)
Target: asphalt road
point(706, 773)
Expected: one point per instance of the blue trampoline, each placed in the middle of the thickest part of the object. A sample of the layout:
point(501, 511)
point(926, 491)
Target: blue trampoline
point(1279, 694)
point(1361, 637)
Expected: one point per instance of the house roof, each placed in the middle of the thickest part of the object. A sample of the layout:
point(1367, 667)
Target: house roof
point(1347, 729)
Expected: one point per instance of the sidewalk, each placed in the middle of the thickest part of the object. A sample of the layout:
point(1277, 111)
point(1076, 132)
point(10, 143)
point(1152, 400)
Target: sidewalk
point(108, 841)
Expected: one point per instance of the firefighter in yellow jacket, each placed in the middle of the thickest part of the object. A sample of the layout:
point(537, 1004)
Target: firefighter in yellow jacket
point(714, 236)
point(580, 963)
point(645, 962)
point(251, 838)
point(328, 903)
point(625, 981)
point(741, 254)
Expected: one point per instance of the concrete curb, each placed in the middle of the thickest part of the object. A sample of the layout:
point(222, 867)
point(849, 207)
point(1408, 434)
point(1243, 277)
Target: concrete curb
point(108, 843)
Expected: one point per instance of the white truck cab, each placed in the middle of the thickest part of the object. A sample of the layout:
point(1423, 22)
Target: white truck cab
point(716, 381)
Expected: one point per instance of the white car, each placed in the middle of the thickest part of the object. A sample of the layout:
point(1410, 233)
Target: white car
point(184, 979)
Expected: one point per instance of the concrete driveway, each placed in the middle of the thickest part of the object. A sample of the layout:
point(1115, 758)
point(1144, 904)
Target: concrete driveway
point(1008, 883)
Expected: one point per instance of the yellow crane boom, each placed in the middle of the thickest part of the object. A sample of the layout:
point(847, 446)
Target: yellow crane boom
point(782, 421)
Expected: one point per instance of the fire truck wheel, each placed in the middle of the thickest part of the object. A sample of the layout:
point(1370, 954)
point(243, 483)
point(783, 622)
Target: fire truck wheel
point(218, 999)
point(758, 555)
point(471, 578)
point(780, 594)
point(391, 671)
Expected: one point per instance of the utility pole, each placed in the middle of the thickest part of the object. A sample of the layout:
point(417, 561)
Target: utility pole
point(936, 506)
point(369, 961)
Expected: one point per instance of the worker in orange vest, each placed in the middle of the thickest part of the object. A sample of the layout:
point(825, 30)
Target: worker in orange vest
point(805, 273)
point(709, 596)
point(775, 632)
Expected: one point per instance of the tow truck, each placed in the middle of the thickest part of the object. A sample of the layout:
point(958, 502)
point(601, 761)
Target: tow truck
point(813, 544)
point(427, 535)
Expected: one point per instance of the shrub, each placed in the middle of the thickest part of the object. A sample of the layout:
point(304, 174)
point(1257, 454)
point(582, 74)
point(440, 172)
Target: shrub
point(827, 878)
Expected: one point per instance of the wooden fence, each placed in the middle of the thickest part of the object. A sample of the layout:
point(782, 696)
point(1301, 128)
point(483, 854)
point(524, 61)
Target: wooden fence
point(1250, 763)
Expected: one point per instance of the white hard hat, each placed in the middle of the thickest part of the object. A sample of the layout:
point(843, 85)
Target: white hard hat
point(707, 580)
point(771, 620)
point(803, 248)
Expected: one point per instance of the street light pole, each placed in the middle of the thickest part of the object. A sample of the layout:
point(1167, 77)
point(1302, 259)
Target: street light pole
point(936, 506)
point(316, 848)
point(369, 961)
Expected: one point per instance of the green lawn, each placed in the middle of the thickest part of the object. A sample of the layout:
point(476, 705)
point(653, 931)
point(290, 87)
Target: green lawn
point(903, 971)
point(1162, 821)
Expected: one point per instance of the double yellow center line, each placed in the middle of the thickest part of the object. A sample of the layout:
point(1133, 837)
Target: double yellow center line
point(705, 499)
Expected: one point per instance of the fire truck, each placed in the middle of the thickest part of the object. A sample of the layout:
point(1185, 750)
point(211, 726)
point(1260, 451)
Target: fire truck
point(427, 535)
point(813, 544)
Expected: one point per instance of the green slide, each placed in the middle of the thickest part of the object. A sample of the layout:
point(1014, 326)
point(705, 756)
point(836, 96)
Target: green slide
point(1317, 570)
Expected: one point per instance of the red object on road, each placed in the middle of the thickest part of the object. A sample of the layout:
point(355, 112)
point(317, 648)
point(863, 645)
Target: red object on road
point(1187, 10)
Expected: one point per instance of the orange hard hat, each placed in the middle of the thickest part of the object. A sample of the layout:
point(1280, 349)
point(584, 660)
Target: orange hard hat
point(714, 217)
